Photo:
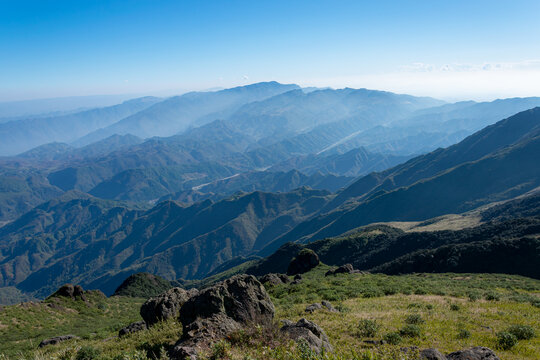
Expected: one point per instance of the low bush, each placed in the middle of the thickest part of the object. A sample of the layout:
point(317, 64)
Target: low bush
point(368, 328)
point(410, 330)
point(522, 332)
point(414, 319)
point(392, 338)
point(463, 334)
point(87, 353)
point(506, 340)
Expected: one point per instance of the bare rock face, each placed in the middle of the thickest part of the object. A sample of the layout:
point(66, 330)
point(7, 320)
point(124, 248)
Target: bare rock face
point(275, 279)
point(475, 353)
point(303, 262)
point(165, 306)
point(220, 310)
point(133, 327)
point(57, 339)
point(308, 331)
point(431, 354)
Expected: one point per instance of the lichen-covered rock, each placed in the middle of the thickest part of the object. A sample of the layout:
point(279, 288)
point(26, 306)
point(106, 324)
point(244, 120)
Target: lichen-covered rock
point(475, 353)
point(316, 306)
point(275, 279)
point(311, 333)
point(57, 339)
point(313, 307)
point(303, 262)
point(133, 327)
point(222, 309)
point(431, 354)
point(166, 305)
point(328, 306)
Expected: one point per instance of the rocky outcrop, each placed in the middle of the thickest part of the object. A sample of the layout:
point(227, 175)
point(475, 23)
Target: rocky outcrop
point(475, 353)
point(220, 310)
point(166, 305)
point(343, 269)
point(275, 279)
point(308, 332)
point(133, 327)
point(328, 306)
point(316, 306)
point(303, 262)
point(431, 354)
point(57, 339)
point(70, 291)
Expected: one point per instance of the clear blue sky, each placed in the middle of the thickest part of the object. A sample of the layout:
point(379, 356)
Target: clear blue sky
point(445, 48)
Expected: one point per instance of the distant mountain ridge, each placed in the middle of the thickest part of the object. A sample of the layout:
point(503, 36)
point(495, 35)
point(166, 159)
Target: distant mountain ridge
point(92, 241)
point(22, 135)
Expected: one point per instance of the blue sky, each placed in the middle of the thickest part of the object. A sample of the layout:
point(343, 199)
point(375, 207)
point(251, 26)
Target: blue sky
point(450, 49)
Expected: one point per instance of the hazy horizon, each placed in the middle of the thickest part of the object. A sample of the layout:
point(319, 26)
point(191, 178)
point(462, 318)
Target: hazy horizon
point(455, 51)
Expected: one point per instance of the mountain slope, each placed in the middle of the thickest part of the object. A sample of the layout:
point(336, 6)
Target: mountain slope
point(88, 240)
point(414, 191)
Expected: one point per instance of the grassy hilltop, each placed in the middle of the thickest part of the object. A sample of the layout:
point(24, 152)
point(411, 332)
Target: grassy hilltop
point(446, 311)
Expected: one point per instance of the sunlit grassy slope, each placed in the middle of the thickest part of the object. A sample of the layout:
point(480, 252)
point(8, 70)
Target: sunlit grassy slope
point(450, 311)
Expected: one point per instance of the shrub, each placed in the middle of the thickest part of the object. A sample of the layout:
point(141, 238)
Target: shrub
point(368, 328)
point(464, 334)
point(87, 353)
point(521, 332)
point(492, 296)
point(455, 307)
point(410, 330)
point(392, 338)
point(506, 340)
point(473, 296)
point(220, 350)
point(414, 319)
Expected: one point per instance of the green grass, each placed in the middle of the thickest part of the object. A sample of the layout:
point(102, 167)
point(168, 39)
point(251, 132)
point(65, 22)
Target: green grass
point(424, 310)
point(24, 326)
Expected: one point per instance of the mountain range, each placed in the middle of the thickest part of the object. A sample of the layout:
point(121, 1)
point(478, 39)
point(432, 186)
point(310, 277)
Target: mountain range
point(97, 242)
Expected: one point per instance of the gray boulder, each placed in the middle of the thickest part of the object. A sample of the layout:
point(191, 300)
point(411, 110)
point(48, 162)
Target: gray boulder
point(308, 332)
point(303, 262)
point(316, 306)
point(220, 310)
point(275, 279)
point(313, 307)
point(133, 327)
point(165, 306)
point(70, 291)
point(328, 306)
point(57, 339)
point(431, 354)
point(343, 269)
point(475, 353)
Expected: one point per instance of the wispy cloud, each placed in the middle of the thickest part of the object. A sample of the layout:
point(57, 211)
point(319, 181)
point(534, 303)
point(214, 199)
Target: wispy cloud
point(459, 67)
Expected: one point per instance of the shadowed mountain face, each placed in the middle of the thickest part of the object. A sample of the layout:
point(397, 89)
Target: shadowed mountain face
point(494, 164)
point(87, 239)
point(90, 241)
